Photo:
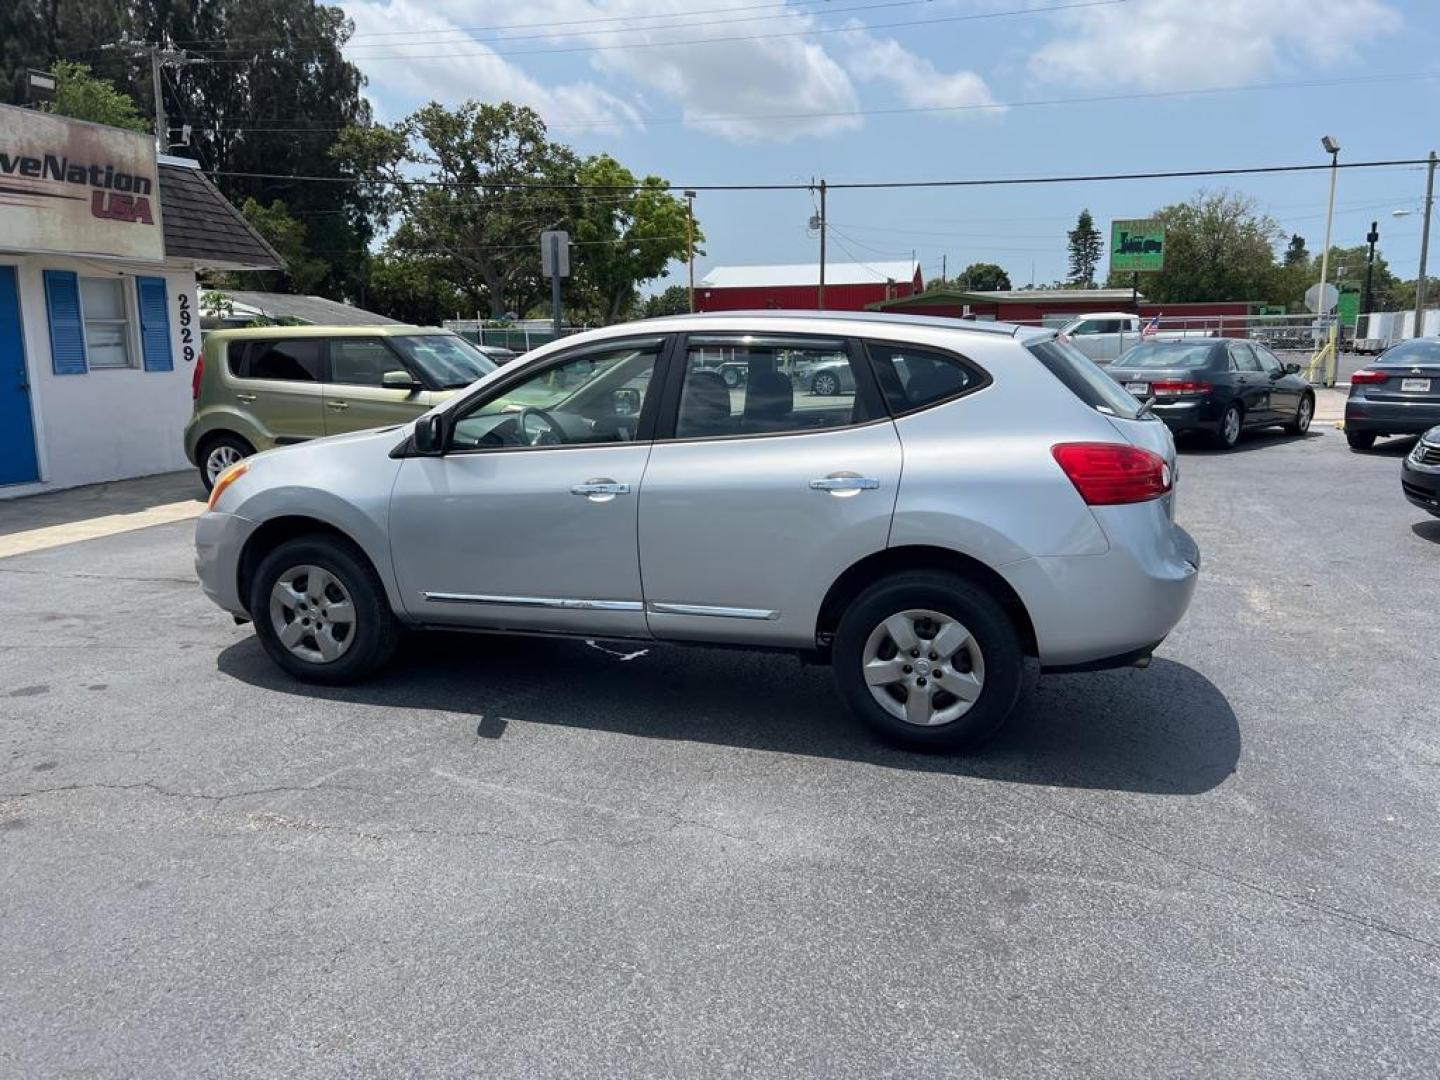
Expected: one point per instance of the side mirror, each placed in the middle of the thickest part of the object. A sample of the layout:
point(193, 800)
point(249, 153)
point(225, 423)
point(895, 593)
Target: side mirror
point(399, 380)
point(430, 435)
point(1292, 369)
point(627, 401)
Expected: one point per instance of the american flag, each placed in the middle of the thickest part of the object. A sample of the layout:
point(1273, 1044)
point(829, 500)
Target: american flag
point(1150, 327)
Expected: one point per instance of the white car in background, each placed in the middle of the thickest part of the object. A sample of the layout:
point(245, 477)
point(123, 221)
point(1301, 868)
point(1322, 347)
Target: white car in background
point(1105, 335)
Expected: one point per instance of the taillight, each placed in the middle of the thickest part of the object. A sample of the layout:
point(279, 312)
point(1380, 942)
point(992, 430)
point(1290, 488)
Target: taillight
point(1363, 376)
point(1176, 387)
point(1113, 474)
point(195, 379)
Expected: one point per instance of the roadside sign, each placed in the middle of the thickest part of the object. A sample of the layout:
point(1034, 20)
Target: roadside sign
point(1313, 298)
point(1137, 246)
point(555, 253)
point(1348, 305)
point(42, 85)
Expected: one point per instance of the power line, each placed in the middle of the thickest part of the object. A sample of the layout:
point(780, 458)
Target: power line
point(723, 39)
point(862, 185)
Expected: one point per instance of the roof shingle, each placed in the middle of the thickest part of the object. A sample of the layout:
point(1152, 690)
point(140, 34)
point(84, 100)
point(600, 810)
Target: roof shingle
point(202, 226)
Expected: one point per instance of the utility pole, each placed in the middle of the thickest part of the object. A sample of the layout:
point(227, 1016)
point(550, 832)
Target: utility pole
point(1424, 248)
point(1372, 238)
point(690, 242)
point(159, 57)
point(822, 244)
point(1333, 149)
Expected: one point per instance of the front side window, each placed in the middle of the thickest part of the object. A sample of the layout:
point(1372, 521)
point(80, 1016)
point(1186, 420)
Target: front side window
point(107, 322)
point(752, 385)
point(448, 361)
point(361, 361)
point(1269, 361)
point(914, 377)
point(591, 399)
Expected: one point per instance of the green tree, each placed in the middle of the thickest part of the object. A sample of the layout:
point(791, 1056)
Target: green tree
point(983, 277)
point(413, 289)
point(81, 95)
point(1218, 246)
point(1295, 253)
point(1085, 247)
point(624, 238)
point(673, 301)
point(303, 272)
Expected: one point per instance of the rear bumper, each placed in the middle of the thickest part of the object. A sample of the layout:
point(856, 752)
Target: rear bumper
point(1390, 417)
point(219, 541)
point(1110, 609)
point(1190, 415)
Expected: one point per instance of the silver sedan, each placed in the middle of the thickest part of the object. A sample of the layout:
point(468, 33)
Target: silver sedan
point(985, 494)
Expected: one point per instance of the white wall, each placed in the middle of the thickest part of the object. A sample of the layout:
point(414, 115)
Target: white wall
point(104, 425)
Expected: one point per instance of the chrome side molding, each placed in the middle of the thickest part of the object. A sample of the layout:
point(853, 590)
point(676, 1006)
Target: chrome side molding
point(656, 608)
point(553, 602)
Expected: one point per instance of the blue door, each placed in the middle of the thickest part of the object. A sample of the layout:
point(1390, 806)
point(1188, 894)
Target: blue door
point(17, 429)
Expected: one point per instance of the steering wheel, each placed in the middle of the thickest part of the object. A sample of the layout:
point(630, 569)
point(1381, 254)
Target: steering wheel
point(551, 437)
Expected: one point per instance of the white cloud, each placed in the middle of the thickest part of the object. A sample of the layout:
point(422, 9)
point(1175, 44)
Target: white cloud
point(916, 79)
point(1171, 44)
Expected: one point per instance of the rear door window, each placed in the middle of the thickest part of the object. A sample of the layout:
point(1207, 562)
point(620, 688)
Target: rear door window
point(299, 360)
point(913, 377)
point(1084, 379)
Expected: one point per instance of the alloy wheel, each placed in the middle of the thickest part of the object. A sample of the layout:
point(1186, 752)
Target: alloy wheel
point(923, 668)
point(1230, 427)
point(219, 459)
point(312, 614)
point(1302, 418)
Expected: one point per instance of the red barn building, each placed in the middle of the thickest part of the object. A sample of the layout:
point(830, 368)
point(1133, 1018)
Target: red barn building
point(848, 286)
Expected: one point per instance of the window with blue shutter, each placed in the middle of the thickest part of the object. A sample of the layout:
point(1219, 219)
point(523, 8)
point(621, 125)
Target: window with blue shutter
point(67, 326)
point(154, 324)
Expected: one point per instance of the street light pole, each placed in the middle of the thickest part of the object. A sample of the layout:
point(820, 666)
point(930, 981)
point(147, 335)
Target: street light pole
point(690, 242)
point(1333, 149)
point(1424, 248)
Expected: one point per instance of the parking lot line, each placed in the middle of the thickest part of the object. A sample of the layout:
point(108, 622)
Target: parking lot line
point(49, 536)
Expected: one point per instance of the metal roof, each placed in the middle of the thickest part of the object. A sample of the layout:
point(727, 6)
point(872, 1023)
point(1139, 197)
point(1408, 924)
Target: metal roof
point(806, 274)
point(1089, 297)
point(315, 310)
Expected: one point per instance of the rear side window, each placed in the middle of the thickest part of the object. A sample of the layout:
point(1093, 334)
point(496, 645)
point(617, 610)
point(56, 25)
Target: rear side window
point(913, 377)
point(1084, 379)
point(301, 360)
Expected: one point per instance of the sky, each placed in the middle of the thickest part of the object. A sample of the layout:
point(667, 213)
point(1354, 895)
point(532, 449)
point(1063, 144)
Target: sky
point(784, 91)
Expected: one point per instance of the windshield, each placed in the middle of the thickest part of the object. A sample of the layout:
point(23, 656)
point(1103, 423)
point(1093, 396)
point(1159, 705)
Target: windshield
point(1085, 380)
point(1166, 356)
point(447, 361)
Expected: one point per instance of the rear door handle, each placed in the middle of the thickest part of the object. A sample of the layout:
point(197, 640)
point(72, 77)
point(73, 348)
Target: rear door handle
point(247, 398)
point(338, 406)
point(843, 484)
point(600, 489)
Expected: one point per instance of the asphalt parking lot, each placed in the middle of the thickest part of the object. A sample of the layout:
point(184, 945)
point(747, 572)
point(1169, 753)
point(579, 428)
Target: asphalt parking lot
point(522, 858)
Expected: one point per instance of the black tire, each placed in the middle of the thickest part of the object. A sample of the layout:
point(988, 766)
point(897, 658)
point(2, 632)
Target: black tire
point(991, 628)
point(1301, 424)
point(1360, 440)
point(1227, 435)
point(824, 385)
point(212, 444)
point(375, 630)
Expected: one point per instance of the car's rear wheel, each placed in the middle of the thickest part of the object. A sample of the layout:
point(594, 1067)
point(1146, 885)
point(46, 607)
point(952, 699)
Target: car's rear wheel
point(1360, 440)
point(825, 384)
point(218, 453)
point(1227, 432)
point(321, 612)
point(930, 661)
point(1304, 413)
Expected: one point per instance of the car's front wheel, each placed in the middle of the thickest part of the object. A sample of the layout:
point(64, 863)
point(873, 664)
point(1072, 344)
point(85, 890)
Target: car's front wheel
point(321, 612)
point(929, 660)
point(1303, 415)
point(825, 384)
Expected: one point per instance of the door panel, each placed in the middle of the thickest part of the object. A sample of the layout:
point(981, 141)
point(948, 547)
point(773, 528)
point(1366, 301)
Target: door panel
point(280, 384)
point(741, 538)
point(18, 461)
point(503, 540)
point(1285, 390)
point(1251, 385)
point(355, 397)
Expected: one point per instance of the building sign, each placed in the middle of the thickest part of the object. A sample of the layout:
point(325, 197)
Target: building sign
point(71, 187)
point(1137, 246)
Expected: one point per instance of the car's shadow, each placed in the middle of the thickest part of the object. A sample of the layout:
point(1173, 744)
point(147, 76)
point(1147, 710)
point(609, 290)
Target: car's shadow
point(1395, 447)
point(1200, 444)
point(1165, 730)
point(1427, 530)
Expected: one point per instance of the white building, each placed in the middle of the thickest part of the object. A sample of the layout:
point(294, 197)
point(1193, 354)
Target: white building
point(99, 329)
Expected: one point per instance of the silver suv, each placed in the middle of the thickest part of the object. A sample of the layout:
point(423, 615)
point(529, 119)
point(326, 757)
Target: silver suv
point(983, 494)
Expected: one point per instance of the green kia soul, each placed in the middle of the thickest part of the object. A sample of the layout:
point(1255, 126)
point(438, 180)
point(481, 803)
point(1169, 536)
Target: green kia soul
point(271, 386)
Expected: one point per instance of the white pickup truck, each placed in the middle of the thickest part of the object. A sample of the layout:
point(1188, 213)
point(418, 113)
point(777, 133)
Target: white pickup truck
point(1104, 335)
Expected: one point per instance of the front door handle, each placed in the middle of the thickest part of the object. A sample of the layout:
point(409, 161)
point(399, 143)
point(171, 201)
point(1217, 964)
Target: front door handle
point(844, 484)
point(247, 398)
point(338, 406)
point(600, 489)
